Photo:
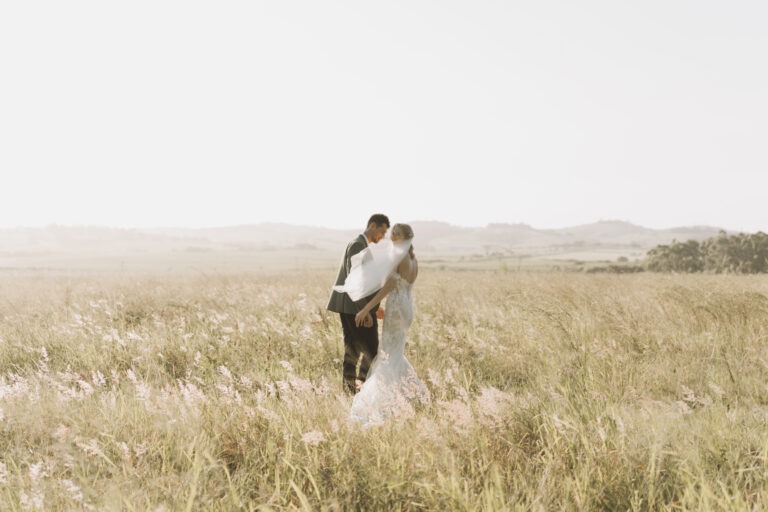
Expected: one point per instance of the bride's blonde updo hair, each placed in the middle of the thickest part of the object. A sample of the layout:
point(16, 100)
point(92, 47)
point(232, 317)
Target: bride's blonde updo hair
point(405, 231)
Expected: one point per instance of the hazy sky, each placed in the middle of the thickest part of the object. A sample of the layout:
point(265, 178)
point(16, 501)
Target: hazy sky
point(552, 113)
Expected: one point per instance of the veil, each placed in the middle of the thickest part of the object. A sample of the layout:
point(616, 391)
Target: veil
point(372, 266)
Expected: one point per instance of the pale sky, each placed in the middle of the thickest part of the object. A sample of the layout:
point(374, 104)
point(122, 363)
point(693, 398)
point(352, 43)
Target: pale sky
point(552, 113)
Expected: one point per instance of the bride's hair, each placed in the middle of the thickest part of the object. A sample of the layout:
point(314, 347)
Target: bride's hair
point(406, 232)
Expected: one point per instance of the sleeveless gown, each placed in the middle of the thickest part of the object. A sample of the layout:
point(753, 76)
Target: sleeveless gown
point(392, 385)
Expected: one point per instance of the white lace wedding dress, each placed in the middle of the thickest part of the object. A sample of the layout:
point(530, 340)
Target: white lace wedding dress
point(391, 386)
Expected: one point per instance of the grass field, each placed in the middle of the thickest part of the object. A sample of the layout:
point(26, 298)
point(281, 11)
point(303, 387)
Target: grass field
point(222, 391)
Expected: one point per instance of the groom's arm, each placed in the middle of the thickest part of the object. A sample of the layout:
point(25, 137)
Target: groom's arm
point(352, 249)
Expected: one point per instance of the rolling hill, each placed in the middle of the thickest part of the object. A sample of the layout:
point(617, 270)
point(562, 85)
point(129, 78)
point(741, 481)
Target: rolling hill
point(431, 237)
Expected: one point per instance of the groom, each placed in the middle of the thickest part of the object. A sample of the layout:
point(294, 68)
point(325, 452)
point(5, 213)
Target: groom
point(360, 343)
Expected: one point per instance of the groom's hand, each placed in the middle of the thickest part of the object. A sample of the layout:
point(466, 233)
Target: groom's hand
point(368, 322)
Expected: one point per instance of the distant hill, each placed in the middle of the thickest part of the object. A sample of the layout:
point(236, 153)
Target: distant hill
point(431, 237)
point(502, 238)
point(258, 236)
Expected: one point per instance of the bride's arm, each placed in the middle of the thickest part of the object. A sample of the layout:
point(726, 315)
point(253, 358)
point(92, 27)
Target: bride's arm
point(360, 316)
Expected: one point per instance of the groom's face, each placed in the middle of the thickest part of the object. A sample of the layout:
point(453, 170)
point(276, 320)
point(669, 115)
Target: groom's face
point(378, 232)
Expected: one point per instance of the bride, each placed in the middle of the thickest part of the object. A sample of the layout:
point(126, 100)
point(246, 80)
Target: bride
point(392, 385)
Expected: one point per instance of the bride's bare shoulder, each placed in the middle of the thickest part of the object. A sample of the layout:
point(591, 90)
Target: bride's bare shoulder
point(408, 269)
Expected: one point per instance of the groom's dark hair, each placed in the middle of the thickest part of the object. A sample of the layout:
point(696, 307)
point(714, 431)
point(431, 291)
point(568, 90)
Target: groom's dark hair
point(378, 219)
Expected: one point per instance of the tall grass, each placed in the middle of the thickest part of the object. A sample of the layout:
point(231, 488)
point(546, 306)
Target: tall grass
point(549, 392)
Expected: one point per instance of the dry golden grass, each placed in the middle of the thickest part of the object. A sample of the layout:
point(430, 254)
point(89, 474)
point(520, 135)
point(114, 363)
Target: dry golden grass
point(550, 392)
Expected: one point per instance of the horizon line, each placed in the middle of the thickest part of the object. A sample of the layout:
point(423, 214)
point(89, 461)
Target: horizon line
point(317, 226)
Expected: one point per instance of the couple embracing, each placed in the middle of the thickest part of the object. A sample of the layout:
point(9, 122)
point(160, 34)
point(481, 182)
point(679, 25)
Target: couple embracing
point(383, 382)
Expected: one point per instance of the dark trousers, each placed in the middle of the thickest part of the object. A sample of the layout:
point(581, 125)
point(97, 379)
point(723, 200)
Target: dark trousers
point(360, 345)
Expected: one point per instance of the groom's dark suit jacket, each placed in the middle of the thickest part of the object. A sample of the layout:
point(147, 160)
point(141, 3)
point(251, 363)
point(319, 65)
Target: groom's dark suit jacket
point(340, 302)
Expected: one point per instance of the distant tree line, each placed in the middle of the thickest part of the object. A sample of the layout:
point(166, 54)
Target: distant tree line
point(622, 268)
point(741, 253)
